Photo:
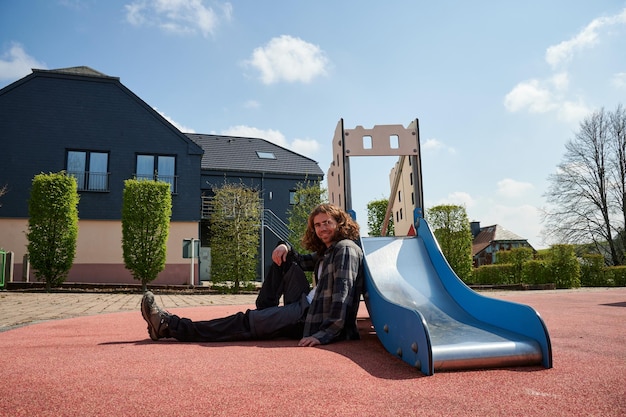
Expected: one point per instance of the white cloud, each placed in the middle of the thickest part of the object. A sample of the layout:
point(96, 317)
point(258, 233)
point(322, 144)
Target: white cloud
point(560, 81)
point(537, 96)
point(563, 52)
point(134, 13)
point(177, 16)
point(460, 198)
point(552, 95)
point(510, 188)
point(178, 126)
point(435, 145)
point(531, 95)
point(307, 147)
point(16, 63)
point(288, 59)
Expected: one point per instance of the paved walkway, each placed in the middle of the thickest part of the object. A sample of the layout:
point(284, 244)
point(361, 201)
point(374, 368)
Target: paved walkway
point(22, 308)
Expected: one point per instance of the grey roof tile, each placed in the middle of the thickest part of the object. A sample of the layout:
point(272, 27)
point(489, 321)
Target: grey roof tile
point(234, 153)
point(494, 233)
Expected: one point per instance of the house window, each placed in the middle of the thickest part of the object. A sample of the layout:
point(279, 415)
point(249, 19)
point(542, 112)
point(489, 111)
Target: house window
point(157, 168)
point(90, 169)
point(294, 199)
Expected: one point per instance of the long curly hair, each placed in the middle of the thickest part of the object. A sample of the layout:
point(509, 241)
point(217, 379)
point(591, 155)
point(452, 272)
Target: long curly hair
point(346, 228)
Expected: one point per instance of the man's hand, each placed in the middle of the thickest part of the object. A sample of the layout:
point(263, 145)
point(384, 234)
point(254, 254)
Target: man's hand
point(308, 341)
point(279, 255)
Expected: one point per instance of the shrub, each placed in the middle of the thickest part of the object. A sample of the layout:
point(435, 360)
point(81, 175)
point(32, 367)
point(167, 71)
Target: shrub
point(536, 272)
point(564, 266)
point(617, 275)
point(592, 271)
point(515, 257)
point(500, 274)
point(52, 226)
point(146, 212)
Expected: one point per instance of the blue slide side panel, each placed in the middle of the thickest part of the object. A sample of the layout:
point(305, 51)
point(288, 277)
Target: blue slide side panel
point(402, 331)
point(518, 318)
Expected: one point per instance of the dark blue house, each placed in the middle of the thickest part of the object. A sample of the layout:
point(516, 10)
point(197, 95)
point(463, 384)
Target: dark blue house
point(92, 126)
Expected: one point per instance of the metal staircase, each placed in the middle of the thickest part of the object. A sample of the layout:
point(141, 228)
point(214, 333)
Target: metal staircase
point(275, 225)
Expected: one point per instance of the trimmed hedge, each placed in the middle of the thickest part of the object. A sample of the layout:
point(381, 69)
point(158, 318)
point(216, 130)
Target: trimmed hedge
point(616, 275)
point(592, 271)
point(536, 272)
point(565, 266)
point(558, 265)
point(494, 274)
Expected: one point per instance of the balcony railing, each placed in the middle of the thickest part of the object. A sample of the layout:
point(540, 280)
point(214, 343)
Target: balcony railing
point(91, 181)
point(172, 180)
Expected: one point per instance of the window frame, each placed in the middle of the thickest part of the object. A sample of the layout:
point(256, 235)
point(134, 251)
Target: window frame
point(156, 164)
point(88, 179)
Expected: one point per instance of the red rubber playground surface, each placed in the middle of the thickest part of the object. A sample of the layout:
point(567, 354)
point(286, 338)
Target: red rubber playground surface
point(106, 365)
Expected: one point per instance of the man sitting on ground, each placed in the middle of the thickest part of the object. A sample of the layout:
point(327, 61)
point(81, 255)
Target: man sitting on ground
point(321, 315)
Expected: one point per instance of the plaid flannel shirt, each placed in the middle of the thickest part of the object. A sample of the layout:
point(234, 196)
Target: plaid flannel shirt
point(333, 310)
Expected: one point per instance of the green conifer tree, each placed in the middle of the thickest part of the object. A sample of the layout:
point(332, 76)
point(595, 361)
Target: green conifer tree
point(146, 212)
point(52, 227)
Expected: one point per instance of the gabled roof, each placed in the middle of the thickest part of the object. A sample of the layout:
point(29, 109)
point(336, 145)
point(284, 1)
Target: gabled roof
point(234, 153)
point(495, 233)
point(83, 73)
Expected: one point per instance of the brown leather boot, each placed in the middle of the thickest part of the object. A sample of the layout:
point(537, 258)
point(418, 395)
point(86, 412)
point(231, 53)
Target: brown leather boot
point(157, 319)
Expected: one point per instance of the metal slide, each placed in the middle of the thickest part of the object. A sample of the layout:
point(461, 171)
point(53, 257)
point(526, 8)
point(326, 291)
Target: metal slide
point(425, 315)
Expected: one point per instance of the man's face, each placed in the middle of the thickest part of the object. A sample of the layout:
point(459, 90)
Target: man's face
point(325, 228)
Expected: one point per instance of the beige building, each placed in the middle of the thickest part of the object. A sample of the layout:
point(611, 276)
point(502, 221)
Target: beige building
point(404, 201)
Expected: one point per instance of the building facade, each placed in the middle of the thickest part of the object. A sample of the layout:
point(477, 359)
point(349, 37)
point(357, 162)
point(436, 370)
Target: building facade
point(489, 240)
point(90, 125)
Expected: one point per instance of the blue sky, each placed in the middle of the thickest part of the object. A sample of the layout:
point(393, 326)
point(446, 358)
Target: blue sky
point(498, 87)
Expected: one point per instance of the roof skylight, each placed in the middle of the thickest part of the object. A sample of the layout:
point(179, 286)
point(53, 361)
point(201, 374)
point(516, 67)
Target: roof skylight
point(266, 155)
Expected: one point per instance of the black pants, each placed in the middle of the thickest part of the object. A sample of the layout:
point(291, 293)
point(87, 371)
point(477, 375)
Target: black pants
point(268, 321)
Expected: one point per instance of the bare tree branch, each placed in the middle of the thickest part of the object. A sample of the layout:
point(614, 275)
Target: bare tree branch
point(587, 195)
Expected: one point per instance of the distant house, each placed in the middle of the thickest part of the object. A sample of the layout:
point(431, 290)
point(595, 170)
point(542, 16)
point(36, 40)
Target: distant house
point(488, 241)
point(97, 130)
